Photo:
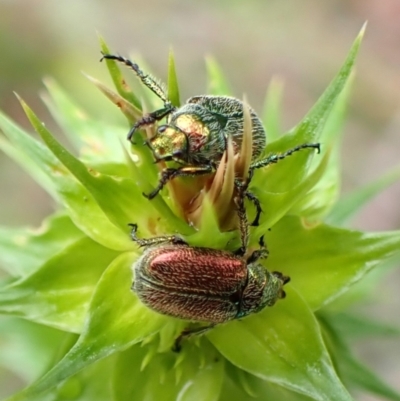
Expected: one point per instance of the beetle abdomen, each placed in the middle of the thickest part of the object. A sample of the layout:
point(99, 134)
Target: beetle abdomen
point(200, 270)
point(229, 110)
point(199, 284)
point(186, 305)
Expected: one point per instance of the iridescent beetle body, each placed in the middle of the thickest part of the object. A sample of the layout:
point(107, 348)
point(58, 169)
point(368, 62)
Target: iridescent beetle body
point(196, 134)
point(202, 284)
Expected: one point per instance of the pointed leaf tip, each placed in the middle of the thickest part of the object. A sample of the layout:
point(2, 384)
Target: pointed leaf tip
point(362, 30)
point(19, 98)
point(173, 87)
point(359, 38)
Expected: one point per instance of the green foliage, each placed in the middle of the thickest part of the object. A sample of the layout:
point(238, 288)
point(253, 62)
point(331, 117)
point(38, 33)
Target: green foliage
point(69, 282)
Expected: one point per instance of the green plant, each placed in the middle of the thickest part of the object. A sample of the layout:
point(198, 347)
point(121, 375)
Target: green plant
point(70, 280)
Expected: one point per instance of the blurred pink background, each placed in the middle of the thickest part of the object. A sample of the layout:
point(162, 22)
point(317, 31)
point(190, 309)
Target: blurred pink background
point(303, 42)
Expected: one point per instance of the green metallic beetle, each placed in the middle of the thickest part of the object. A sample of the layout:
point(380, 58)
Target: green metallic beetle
point(195, 135)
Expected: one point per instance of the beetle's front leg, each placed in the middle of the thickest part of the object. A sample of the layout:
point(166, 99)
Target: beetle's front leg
point(170, 173)
point(188, 333)
point(173, 239)
point(261, 253)
point(149, 119)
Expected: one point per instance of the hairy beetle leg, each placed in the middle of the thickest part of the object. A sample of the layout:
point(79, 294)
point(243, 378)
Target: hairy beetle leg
point(275, 158)
point(243, 223)
point(241, 187)
point(188, 333)
point(166, 175)
point(149, 119)
point(251, 197)
point(264, 163)
point(173, 239)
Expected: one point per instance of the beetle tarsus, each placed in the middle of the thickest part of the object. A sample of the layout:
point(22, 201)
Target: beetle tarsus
point(188, 333)
point(142, 242)
point(151, 195)
point(166, 175)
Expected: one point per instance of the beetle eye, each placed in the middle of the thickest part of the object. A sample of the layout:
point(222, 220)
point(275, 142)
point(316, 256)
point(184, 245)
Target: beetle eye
point(162, 128)
point(177, 153)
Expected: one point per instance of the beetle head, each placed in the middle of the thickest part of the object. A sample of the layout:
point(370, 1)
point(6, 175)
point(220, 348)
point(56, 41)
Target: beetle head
point(263, 289)
point(283, 280)
point(170, 143)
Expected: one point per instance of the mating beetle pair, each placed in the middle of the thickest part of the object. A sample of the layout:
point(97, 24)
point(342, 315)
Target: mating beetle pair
point(203, 284)
point(194, 283)
point(195, 135)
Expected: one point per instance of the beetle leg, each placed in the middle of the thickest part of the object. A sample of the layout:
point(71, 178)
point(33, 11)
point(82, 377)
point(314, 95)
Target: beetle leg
point(170, 173)
point(174, 239)
point(242, 186)
point(265, 162)
point(188, 333)
point(166, 175)
point(261, 253)
point(149, 119)
point(243, 223)
point(251, 197)
point(275, 158)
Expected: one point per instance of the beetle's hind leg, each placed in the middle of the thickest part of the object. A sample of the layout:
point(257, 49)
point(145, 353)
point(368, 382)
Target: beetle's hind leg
point(173, 239)
point(257, 204)
point(276, 157)
point(241, 188)
point(266, 162)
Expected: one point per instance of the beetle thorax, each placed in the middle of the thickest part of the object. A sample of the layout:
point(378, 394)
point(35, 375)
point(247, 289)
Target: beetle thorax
point(203, 129)
point(262, 289)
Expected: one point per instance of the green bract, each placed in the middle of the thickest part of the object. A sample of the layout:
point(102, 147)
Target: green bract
point(75, 330)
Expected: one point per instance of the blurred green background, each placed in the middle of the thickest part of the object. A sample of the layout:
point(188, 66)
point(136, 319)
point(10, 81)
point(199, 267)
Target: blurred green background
point(302, 42)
